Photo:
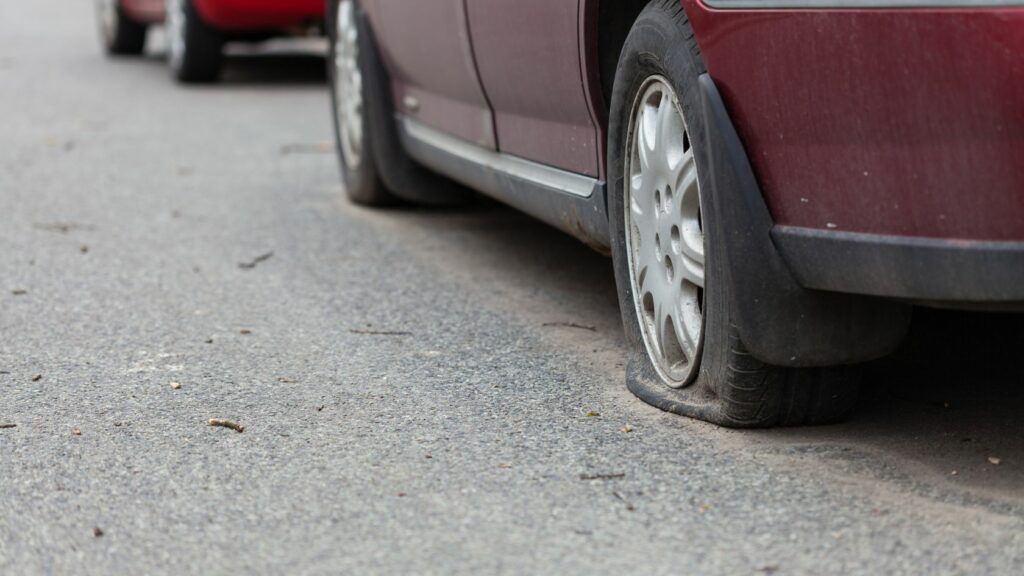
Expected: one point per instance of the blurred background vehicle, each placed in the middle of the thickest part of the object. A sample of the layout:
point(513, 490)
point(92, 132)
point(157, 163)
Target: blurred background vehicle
point(124, 24)
point(197, 30)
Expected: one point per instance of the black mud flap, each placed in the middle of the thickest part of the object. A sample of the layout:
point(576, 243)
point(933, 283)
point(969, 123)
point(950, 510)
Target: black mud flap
point(780, 322)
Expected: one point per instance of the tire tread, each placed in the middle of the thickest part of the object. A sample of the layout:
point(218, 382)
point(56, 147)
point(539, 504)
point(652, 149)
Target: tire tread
point(128, 37)
point(204, 47)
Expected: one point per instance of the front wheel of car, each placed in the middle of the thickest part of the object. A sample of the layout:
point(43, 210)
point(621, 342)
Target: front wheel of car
point(670, 265)
point(121, 35)
point(195, 48)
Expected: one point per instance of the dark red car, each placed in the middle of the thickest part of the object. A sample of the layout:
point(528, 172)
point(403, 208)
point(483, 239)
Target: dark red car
point(779, 182)
point(198, 29)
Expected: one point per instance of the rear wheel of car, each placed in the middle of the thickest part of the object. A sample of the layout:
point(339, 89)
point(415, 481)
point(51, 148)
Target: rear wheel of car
point(375, 169)
point(120, 34)
point(351, 129)
point(196, 49)
point(687, 355)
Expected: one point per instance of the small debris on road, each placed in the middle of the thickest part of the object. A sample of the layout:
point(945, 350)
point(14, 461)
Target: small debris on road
point(209, 340)
point(629, 505)
point(76, 432)
point(307, 148)
point(6, 426)
point(592, 414)
point(175, 385)
point(953, 473)
point(62, 227)
point(37, 377)
point(245, 331)
point(321, 407)
point(255, 261)
point(83, 249)
point(19, 292)
point(221, 423)
point(380, 332)
point(614, 476)
point(97, 532)
point(504, 466)
point(569, 325)
point(993, 460)
point(286, 380)
point(703, 508)
point(626, 428)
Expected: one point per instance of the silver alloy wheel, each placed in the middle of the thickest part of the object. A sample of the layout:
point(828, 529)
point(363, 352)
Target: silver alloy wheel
point(348, 85)
point(107, 10)
point(176, 19)
point(664, 239)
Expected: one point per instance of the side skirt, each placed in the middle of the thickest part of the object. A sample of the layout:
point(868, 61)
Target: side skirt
point(570, 202)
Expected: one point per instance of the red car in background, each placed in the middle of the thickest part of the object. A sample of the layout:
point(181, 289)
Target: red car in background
point(779, 182)
point(198, 29)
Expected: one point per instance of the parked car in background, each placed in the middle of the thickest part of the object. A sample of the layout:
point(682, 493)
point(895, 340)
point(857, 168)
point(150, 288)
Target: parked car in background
point(778, 182)
point(124, 23)
point(198, 29)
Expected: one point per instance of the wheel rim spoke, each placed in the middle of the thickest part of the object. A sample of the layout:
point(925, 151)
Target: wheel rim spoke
point(684, 327)
point(646, 137)
point(108, 17)
point(693, 272)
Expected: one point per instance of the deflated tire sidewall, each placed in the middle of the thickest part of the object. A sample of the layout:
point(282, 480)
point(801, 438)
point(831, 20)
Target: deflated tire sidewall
point(649, 51)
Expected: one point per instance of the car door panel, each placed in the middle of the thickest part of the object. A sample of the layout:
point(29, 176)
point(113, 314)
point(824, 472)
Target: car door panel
point(528, 55)
point(425, 46)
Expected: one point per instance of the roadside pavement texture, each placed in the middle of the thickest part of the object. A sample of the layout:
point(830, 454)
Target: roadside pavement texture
point(422, 392)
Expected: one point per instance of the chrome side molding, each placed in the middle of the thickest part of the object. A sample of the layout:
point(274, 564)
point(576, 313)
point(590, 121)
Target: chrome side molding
point(541, 175)
point(570, 202)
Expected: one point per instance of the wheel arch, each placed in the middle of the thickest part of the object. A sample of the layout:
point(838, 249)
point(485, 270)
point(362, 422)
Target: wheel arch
point(614, 19)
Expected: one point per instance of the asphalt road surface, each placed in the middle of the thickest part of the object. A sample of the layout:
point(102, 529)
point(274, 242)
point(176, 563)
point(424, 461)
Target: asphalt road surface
point(422, 391)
